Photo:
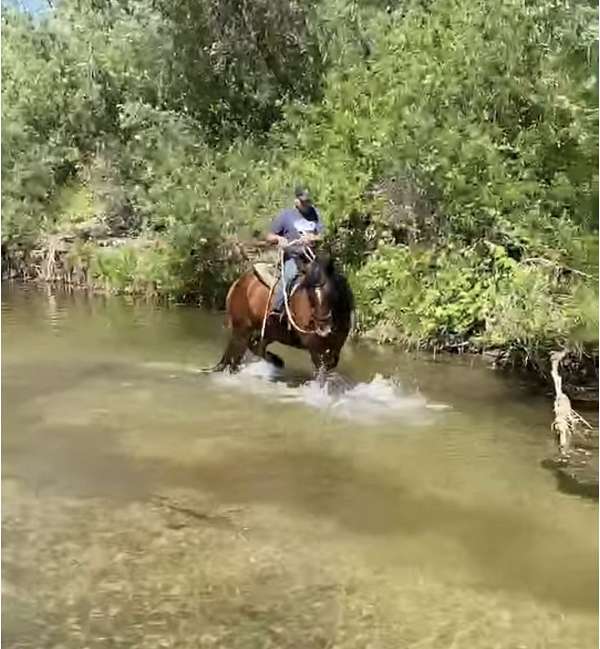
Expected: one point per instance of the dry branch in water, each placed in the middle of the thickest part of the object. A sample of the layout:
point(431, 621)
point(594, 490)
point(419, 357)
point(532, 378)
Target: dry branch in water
point(566, 420)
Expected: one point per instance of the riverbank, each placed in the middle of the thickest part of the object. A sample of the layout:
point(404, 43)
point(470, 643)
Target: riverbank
point(97, 259)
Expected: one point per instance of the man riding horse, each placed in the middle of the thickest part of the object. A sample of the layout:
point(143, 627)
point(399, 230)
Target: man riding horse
point(294, 230)
point(318, 310)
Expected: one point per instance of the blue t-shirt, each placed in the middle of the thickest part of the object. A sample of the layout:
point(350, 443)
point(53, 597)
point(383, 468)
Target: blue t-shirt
point(292, 224)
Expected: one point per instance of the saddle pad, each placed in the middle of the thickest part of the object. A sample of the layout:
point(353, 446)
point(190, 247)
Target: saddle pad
point(266, 273)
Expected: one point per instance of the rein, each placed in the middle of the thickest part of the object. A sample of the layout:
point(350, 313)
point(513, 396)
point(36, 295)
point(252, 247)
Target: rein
point(285, 296)
point(311, 256)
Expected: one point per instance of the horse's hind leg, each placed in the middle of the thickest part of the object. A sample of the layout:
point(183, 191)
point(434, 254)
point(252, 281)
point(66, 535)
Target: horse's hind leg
point(234, 352)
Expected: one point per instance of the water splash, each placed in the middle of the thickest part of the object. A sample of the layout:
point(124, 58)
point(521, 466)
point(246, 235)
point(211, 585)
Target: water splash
point(176, 368)
point(378, 400)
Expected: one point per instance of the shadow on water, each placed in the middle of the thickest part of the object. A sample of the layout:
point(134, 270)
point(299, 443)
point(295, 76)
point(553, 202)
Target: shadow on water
point(574, 481)
point(317, 483)
point(365, 503)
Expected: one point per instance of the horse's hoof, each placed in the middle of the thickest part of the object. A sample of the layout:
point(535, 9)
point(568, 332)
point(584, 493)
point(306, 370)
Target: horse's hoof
point(275, 360)
point(221, 367)
point(322, 378)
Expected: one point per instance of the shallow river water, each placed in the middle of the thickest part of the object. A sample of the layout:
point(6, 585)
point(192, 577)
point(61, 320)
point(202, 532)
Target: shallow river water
point(146, 504)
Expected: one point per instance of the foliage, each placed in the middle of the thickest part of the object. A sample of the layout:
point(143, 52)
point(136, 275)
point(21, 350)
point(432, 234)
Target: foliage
point(500, 137)
point(233, 64)
point(477, 296)
point(452, 146)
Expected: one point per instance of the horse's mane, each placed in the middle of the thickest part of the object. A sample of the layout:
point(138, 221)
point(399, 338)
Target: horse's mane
point(319, 270)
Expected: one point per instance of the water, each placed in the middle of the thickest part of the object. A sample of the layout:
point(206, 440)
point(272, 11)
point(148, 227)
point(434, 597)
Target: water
point(146, 503)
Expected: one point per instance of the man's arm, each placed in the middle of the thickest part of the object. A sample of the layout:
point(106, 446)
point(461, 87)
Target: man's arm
point(274, 235)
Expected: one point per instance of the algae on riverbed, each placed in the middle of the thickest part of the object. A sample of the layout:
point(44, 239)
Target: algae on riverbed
point(88, 573)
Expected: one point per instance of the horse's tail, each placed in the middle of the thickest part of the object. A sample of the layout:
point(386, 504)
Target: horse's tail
point(228, 304)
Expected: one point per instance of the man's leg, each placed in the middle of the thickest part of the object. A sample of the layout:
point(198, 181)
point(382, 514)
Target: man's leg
point(290, 272)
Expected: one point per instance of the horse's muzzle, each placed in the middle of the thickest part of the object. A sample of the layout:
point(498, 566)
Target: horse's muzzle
point(323, 330)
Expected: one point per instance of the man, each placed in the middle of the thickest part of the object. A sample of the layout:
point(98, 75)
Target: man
point(303, 224)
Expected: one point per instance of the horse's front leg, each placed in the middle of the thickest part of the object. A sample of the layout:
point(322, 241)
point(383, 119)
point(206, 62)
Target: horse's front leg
point(321, 376)
point(323, 362)
point(326, 359)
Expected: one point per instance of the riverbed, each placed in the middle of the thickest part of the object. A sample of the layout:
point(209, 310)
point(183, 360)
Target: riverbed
point(146, 503)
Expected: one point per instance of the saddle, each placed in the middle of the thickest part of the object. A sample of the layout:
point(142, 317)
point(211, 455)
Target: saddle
point(267, 273)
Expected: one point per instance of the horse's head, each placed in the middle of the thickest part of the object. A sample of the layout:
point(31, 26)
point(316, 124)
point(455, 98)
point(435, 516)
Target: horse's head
point(319, 281)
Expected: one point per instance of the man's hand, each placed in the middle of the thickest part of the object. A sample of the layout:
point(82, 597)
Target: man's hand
point(277, 239)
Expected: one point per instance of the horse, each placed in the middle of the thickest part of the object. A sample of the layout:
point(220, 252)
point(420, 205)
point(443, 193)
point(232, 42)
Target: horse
point(318, 317)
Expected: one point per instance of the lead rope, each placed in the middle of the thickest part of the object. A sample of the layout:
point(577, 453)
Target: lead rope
point(285, 298)
point(311, 256)
point(267, 308)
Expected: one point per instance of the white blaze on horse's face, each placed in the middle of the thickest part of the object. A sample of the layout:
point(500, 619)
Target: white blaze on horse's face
point(323, 322)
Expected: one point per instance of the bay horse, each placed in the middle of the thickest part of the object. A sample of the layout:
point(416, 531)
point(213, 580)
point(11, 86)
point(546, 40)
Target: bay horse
point(318, 316)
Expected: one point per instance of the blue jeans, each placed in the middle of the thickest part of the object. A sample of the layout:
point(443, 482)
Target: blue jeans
point(290, 272)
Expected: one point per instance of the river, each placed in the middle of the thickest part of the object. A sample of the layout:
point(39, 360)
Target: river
point(145, 503)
